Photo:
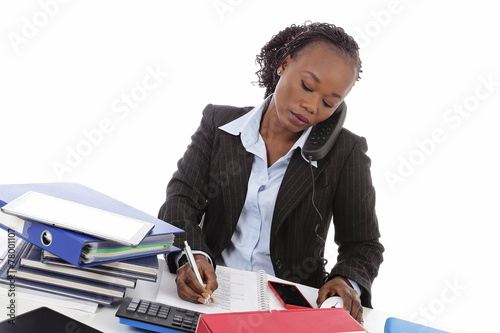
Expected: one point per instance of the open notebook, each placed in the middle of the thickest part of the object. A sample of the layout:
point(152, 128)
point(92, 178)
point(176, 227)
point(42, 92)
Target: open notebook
point(238, 291)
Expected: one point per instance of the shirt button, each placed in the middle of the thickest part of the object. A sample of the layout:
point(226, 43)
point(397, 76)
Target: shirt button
point(278, 264)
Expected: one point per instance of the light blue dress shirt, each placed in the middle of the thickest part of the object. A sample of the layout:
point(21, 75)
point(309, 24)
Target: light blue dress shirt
point(249, 248)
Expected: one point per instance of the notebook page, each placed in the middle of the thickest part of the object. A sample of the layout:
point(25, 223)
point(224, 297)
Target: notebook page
point(237, 292)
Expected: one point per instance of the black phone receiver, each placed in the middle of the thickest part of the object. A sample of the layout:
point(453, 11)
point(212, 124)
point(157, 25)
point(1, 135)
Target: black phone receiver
point(324, 134)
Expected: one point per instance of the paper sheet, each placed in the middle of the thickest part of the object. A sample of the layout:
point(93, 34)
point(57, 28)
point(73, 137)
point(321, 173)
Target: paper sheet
point(237, 291)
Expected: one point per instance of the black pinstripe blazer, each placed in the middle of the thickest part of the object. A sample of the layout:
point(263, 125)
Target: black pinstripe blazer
point(209, 188)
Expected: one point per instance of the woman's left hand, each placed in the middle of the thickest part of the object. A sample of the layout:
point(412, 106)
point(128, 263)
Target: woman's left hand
point(340, 286)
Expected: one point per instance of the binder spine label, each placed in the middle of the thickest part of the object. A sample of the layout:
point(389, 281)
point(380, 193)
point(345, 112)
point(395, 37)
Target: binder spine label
point(12, 222)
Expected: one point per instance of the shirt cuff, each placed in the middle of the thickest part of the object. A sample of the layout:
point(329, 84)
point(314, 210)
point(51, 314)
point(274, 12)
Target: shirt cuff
point(355, 285)
point(180, 254)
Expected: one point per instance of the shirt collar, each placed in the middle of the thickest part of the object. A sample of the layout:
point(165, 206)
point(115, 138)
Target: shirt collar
point(248, 126)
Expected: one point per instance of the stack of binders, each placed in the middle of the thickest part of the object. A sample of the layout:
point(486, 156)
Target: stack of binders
point(75, 264)
point(101, 285)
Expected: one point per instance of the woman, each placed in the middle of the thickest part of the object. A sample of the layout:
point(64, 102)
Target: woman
point(244, 193)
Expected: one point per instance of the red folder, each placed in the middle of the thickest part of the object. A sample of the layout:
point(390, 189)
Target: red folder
point(280, 321)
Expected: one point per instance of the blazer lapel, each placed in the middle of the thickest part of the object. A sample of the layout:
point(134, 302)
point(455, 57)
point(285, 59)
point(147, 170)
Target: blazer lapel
point(235, 167)
point(296, 183)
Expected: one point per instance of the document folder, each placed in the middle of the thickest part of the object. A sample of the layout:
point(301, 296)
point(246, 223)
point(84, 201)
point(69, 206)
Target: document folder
point(396, 325)
point(69, 245)
point(280, 321)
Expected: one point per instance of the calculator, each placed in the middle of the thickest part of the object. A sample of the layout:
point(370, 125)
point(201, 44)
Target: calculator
point(157, 317)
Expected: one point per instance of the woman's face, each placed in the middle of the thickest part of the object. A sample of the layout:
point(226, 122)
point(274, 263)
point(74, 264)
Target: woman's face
point(312, 85)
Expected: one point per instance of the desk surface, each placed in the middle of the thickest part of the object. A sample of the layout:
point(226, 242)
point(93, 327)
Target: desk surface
point(104, 319)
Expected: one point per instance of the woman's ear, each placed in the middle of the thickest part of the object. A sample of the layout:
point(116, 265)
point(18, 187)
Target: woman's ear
point(284, 64)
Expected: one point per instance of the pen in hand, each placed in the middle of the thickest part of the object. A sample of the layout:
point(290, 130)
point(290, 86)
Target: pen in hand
point(194, 267)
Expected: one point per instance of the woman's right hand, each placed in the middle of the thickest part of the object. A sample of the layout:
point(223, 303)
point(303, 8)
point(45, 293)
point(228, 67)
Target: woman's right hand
point(188, 287)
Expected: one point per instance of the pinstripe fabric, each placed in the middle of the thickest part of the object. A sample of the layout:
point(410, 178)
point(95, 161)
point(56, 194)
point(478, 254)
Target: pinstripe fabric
point(210, 185)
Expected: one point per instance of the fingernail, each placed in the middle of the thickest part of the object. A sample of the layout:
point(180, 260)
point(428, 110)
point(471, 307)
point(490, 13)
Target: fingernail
point(202, 300)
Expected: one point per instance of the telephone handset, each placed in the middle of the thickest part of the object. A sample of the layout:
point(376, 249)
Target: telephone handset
point(324, 134)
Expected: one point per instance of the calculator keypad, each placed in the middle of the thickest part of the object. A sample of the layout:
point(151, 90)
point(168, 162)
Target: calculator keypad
point(163, 315)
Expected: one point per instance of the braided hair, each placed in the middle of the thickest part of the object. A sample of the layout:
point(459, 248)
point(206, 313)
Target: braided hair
point(294, 38)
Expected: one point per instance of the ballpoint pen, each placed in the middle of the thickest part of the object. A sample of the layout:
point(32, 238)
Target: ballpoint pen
point(194, 267)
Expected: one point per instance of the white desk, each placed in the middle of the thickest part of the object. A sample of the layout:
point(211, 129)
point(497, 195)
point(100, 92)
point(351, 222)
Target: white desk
point(104, 319)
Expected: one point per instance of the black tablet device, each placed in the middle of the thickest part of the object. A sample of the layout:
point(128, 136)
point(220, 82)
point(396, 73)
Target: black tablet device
point(44, 320)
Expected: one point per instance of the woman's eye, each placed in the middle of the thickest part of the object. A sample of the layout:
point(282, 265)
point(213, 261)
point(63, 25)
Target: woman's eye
point(327, 105)
point(305, 87)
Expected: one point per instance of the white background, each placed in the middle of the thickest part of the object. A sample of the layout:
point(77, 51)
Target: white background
point(67, 67)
